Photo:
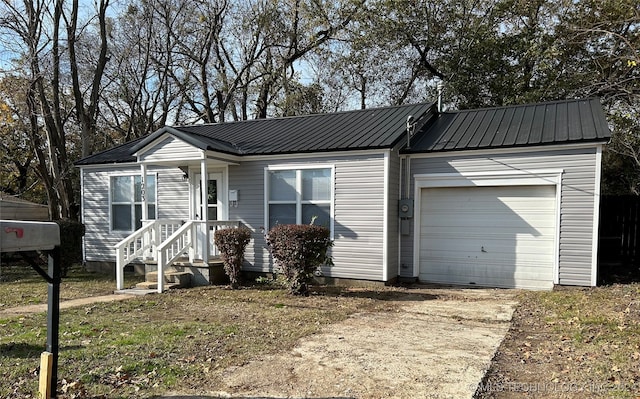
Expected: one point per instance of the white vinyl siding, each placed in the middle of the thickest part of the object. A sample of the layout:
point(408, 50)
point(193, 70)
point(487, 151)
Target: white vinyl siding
point(358, 211)
point(488, 236)
point(170, 149)
point(575, 263)
point(172, 203)
point(359, 219)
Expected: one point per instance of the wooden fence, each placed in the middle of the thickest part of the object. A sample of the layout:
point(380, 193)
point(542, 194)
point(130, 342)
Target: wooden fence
point(619, 245)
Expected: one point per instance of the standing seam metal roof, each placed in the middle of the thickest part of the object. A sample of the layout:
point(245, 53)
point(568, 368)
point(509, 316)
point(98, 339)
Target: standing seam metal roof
point(374, 128)
point(569, 121)
point(362, 129)
point(519, 125)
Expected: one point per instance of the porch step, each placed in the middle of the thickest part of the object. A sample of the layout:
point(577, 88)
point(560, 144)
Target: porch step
point(184, 262)
point(186, 274)
point(153, 285)
point(181, 278)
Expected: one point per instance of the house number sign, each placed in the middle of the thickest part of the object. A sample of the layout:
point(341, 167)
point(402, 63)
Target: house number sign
point(142, 190)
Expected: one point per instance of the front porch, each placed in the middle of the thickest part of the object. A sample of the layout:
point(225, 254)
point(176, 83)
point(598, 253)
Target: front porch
point(169, 249)
point(176, 248)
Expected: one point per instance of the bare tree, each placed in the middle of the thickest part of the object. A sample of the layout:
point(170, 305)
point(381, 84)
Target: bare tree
point(138, 96)
point(296, 29)
point(49, 36)
point(86, 92)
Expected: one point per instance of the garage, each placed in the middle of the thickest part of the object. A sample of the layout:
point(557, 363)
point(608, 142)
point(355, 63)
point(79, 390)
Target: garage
point(497, 236)
point(505, 197)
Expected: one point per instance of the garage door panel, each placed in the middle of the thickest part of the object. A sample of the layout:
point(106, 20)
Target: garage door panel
point(468, 208)
point(448, 271)
point(499, 250)
point(490, 242)
point(495, 281)
point(492, 236)
point(454, 230)
point(464, 256)
point(464, 274)
point(488, 217)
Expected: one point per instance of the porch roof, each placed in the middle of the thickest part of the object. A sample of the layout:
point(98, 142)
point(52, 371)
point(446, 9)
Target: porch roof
point(374, 128)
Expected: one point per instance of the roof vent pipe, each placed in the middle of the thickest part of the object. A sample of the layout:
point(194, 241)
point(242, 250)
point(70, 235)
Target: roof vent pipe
point(411, 125)
point(439, 88)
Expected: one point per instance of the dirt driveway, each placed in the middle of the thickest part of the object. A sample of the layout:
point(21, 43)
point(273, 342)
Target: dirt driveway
point(436, 346)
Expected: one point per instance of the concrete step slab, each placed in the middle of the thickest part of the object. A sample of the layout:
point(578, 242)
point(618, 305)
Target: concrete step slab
point(153, 285)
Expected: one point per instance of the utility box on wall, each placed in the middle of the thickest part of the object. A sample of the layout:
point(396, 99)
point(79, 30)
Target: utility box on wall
point(405, 208)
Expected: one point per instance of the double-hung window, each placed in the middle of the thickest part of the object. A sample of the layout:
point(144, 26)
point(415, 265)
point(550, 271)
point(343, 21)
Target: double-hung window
point(127, 196)
point(300, 196)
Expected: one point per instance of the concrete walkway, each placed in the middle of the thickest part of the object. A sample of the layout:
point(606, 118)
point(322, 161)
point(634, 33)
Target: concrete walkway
point(72, 303)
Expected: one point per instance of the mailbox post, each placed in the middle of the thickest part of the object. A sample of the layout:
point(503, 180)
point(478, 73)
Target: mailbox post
point(18, 236)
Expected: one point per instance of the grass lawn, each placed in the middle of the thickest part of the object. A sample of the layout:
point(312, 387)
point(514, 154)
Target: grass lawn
point(561, 341)
point(21, 285)
point(569, 343)
point(182, 339)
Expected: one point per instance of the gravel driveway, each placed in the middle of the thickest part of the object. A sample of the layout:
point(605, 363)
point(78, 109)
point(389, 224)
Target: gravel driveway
point(436, 346)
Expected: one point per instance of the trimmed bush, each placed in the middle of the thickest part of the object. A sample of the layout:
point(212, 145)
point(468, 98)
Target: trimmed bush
point(231, 243)
point(298, 251)
point(71, 233)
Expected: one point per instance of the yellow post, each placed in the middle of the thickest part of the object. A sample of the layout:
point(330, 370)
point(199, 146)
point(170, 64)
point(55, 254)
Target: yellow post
point(46, 365)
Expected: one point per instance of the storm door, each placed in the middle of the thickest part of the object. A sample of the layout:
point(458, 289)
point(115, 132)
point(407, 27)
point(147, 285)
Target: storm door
point(213, 196)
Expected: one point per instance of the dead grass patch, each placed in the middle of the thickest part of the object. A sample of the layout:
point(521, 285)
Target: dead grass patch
point(180, 340)
point(570, 342)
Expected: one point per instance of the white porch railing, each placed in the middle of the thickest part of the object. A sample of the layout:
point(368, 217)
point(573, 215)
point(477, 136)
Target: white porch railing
point(185, 240)
point(177, 245)
point(144, 239)
point(166, 241)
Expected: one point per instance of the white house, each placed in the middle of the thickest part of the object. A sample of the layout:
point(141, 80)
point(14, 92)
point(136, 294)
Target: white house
point(504, 197)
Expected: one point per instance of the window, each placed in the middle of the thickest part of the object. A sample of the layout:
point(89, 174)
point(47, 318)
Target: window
point(298, 196)
point(127, 195)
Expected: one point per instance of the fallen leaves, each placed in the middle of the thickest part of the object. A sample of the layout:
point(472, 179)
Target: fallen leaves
point(589, 338)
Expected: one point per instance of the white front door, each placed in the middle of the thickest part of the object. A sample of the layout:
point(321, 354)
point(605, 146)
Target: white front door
point(214, 197)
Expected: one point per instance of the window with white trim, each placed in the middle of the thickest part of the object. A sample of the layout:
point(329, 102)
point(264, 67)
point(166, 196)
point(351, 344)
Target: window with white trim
point(127, 196)
point(299, 196)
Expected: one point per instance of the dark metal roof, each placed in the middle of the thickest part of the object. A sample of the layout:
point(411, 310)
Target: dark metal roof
point(118, 154)
point(374, 128)
point(557, 122)
point(362, 129)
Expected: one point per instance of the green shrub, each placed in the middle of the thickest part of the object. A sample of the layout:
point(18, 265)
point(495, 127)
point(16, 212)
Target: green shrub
point(298, 251)
point(231, 243)
point(71, 233)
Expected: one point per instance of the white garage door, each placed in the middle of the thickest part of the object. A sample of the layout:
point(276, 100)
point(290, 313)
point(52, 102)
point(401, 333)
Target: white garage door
point(490, 236)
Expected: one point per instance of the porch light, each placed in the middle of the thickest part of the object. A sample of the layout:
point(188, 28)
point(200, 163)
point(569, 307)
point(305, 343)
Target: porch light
point(185, 172)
